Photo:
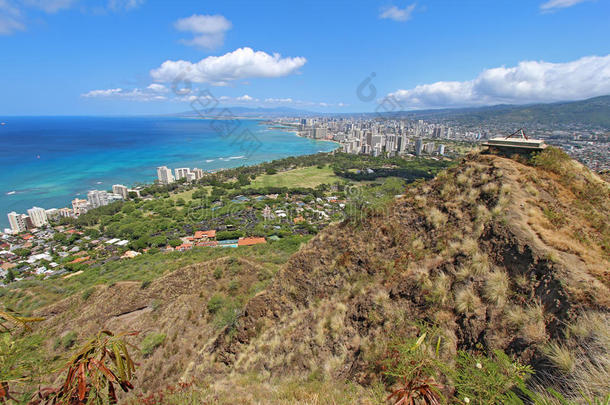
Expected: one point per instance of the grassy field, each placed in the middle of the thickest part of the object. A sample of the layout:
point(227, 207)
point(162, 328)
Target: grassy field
point(302, 177)
point(188, 194)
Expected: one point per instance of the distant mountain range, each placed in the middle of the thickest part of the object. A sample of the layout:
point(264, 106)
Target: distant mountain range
point(594, 112)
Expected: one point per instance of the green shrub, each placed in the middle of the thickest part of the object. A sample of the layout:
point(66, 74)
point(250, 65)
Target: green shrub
point(151, 342)
point(227, 315)
point(487, 379)
point(233, 285)
point(477, 379)
point(215, 303)
point(552, 159)
point(218, 273)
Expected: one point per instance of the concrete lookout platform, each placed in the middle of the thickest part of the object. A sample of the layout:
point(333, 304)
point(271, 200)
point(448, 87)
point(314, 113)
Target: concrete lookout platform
point(515, 143)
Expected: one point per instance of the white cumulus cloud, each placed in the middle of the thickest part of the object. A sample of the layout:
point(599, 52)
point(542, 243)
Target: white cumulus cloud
point(157, 88)
point(151, 93)
point(555, 4)
point(397, 14)
point(528, 82)
point(208, 30)
point(242, 63)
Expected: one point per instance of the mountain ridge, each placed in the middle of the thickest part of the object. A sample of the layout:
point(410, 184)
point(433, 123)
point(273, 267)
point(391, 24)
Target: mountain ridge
point(592, 112)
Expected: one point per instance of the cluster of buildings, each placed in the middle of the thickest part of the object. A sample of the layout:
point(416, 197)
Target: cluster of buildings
point(208, 239)
point(365, 135)
point(37, 217)
point(381, 138)
point(46, 255)
point(165, 175)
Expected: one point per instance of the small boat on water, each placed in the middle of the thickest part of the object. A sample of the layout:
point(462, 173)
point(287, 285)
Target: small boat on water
point(2, 123)
point(11, 193)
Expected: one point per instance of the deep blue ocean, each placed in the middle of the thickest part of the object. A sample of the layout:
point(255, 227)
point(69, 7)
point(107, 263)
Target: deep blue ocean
point(48, 161)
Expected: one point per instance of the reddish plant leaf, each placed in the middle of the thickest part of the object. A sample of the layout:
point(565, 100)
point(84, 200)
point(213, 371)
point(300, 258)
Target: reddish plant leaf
point(82, 382)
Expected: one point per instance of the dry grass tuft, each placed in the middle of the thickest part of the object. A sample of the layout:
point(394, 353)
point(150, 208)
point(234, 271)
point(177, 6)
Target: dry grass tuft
point(496, 287)
point(516, 316)
point(480, 264)
point(436, 218)
point(490, 189)
point(417, 244)
point(561, 357)
point(462, 179)
point(440, 289)
point(467, 301)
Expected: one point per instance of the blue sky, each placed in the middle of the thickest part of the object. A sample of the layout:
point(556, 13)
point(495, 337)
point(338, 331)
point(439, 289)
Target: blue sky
point(81, 57)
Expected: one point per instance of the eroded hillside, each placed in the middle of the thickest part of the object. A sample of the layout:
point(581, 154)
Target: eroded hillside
point(494, 254)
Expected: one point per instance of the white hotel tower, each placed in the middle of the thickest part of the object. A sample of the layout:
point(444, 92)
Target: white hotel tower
point(38, 216)
point(164, 174)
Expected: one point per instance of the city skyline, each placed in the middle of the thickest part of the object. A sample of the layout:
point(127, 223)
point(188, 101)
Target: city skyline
point(133, 57)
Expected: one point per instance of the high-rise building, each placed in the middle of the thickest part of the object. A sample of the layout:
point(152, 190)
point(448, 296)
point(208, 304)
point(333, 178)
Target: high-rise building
point(121, 190)
point(441, 149)
point(182, 173)
point(403, 143)
point(165, 176)
point(17, 222)
point(319, 133)
point(97, 198)
point(38, 216)
point(429, 148)
point(79, 206)
point(419, 145)
point(198, 173)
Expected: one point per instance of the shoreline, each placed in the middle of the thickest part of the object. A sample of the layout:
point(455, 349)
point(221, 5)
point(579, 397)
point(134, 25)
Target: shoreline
point(14, 204)
point(285, 128)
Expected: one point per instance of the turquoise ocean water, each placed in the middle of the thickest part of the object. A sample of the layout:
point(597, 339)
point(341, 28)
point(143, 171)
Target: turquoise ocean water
point(48, 161)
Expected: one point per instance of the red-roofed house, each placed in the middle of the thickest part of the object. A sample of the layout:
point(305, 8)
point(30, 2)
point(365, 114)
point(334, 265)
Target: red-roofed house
point(250, 241)
point(211, 234)
point(184, 246)
point(80, 260)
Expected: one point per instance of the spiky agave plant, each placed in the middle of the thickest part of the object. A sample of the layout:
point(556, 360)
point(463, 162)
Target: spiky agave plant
point(414, 367)
point(93, 372)
point(417, 390)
